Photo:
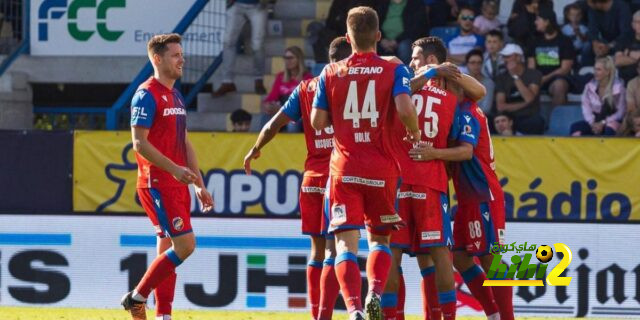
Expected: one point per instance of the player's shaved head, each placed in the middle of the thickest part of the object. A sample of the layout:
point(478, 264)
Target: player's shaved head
point(432, 46)
point(159, 43)
point(339, 49)
point(362, 27)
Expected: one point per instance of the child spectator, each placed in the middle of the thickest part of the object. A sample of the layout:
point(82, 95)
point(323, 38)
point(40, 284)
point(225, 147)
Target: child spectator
point(503, 123)
point(574, 28)
point(488, 20)
point(240, 121)
point(493, 63)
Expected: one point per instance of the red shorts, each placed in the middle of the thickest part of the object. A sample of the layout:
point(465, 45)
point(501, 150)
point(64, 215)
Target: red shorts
point(312, 197)
point(477, 226)
point(168, 208)
point(356, 202)
point(426, 213)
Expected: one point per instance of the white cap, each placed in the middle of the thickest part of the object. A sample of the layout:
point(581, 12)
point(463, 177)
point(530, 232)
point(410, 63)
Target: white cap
point(510, 49)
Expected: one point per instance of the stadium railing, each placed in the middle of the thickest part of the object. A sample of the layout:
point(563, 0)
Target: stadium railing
point(14, 31)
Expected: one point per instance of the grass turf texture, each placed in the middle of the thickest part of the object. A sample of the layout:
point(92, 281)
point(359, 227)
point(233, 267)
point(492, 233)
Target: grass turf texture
point(32, 313)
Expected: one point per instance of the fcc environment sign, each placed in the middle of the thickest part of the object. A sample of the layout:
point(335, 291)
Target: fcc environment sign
point(115, 27)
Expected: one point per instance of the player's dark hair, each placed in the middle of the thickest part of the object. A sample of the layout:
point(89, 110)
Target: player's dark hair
point(474, 52)
point(432, 46)
point(362, 26)
point(240, 116)
point(158, 44)
point(339, 49)
point(496, 33)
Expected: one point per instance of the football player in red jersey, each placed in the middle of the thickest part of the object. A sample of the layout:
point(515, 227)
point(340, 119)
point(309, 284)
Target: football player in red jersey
point(166, 166)
point(480, 218)
point(359, 96)
point(322, 285)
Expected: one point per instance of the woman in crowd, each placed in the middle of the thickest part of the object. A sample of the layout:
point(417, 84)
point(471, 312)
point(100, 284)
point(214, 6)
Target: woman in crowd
point(631, 124)
point(603, 102)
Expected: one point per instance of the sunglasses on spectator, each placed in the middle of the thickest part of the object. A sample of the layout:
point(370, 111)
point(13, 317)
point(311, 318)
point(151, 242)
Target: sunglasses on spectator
point(468, 18)
point(289, 57)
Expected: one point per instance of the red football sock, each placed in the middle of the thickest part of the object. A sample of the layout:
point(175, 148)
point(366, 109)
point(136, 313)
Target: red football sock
point(348, 274)
point(161, 267)
point(474, 277)
point(504, 300)
point(164, 294)
point(314, 271)
point(329, 290)
point(401, 295)
point(389, 304)
point(378, 264)
point(430, 304)
point(447, 301)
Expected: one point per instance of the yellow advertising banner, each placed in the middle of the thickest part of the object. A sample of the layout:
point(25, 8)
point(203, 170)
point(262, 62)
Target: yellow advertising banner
point(543, 178)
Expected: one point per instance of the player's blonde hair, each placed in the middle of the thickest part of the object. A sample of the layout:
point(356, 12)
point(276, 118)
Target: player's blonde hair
point(362, 26)
point(158, 43)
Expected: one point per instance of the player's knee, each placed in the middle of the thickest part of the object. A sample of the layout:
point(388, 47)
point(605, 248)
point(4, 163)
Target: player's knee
point(461, 261)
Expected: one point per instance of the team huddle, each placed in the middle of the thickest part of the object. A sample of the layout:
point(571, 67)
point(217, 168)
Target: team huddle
point(382, 145)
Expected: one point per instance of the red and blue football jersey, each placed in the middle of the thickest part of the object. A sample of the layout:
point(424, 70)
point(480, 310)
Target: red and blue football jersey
point(162, 111)
point(319, 142)
point(359, 93)
point(475, 179)
point(436, 109)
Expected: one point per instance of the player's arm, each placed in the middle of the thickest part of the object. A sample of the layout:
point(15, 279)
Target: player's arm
point(143, 109)
point(320, 117)
point(267, 133)
point(447, 71)
point(204, 197)
point(404, 106)
point(423, 152)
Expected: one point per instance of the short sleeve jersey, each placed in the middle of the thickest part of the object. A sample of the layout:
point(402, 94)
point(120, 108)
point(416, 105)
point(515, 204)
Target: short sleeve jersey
point(436, 109)
point(319, 142)
point(162, 111)
point(358, 93)
point(475, 179)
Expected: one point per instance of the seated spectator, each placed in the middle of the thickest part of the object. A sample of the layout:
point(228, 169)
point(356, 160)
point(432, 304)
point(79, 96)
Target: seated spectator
point(455, 6)
point(503, 123)
point(521, 24)
point(552, 54)
point(401, 22)
point(336, 25)
point(628, 52)
point(473, 61)
point(633, 92)
point(488, 20)
point(517, 92)
point(285, 82)
point(609, 22)
point(574, 28)
point(241, 121)
point(464, 40)
point(493, 63)
point(631, 125)
point(603, 102)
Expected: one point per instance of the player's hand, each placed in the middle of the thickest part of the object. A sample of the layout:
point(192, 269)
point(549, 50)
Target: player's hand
point(205, 199)
point(254, 153)
point(184, 175)
point(422, 152)
point(449, 71)
point(413, 136)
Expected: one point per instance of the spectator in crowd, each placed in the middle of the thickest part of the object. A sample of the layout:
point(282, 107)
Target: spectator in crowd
point(493, 62)
point(336, 25)
point(603, 102)
point(503, 123)
point(552, 54)
point(473, 61)
point(434, 10)
point(240, 121)
point(238, 14)
point(574, 27)
point(488, 20)
point(286, 81)
point(633, 92)
point(455, 6)
point(628, 52)
point(631, 124)
point(521, 23)
point(517, 92)
point(609, 22)
point(464, 40)
point(402, 21)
